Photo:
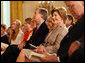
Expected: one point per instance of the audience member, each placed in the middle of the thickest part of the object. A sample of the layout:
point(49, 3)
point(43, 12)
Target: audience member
point(40, 32)
point(9, 33)
point(76, 31)
point(17, 35)
point(69, 21)
point(4, 37)
point(26, 28)
point(33, 24)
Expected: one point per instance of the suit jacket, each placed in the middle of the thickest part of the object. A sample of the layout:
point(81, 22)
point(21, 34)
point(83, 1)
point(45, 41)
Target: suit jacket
point(78, 55)
point(74, 34)
point(38, 37)
point(53, 39)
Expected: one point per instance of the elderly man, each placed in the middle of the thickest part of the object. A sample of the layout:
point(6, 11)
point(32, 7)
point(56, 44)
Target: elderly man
point(77, 10)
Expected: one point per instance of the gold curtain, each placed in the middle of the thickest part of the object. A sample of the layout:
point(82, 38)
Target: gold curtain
point(16, 10)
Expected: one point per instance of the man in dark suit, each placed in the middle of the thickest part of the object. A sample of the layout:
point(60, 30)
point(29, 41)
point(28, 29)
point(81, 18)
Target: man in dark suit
point(40, 32)
point(37, 38)
point(76, 32)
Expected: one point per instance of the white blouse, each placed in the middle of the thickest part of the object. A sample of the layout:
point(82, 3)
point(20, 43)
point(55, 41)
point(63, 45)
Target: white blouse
point(18, 39)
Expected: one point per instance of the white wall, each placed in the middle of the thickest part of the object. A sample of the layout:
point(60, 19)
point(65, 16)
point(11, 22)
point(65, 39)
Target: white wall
point(5, 13)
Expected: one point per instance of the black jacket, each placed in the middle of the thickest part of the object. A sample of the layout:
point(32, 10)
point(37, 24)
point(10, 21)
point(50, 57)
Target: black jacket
point(5, 39)
point(74, 34)
point(38, 37)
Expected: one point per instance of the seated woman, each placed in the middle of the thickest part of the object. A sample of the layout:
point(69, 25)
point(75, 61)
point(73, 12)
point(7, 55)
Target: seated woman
point(27, 29)
point(52, 42)
point(4, 38)
point(9, 33)
point(17, 35)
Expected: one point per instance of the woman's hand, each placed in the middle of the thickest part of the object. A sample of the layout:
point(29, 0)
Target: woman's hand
point(21, 45)
point(40, 49)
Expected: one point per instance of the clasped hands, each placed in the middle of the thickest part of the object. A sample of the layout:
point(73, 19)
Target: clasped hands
point(47, 58)
point(21, 45)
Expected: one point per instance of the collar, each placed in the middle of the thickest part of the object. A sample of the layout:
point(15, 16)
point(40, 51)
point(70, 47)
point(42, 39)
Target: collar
point(69, 26)
point(39, 25)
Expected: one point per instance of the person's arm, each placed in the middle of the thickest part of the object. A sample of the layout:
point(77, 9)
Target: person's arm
point(73, 47)
point(40, 49)
point(21, 45)
point(56, 45)
point(3, 49)
point(49, 58)
point(4, 46)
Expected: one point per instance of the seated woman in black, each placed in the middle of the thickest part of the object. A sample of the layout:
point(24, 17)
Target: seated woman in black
point(4, 38)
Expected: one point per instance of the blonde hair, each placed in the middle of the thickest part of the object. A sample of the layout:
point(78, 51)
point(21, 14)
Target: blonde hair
point(50, 19)
point(15, 32)
point(18, 22)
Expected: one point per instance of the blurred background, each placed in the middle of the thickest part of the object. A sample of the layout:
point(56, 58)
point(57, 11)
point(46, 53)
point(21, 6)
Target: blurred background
point(11, 10)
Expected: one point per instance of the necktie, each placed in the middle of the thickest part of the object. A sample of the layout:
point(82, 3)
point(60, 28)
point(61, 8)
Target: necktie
point(36, 30)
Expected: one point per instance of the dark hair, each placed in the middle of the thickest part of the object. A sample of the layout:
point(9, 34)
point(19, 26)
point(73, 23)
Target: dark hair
point(70, 17)
point(28, 20)
point(3, 26)
point(44, 12)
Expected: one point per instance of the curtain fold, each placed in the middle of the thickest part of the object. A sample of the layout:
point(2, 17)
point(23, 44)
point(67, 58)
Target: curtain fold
point(16, 10)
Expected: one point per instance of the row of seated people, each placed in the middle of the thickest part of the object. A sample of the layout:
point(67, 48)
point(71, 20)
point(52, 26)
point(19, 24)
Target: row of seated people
point(15, 34)
point(50, 36)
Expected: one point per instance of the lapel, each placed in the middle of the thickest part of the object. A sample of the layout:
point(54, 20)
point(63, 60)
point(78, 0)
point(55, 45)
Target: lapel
point(38, 32)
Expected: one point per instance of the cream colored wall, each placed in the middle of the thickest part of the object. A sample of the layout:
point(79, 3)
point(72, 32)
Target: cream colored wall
point(59, 4)
point(30, 6)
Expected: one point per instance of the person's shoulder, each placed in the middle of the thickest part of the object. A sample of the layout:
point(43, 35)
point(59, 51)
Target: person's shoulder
point(44, 23)
point(5, 36)
point(44, 26)
point(64, 28)
point(20, 32)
